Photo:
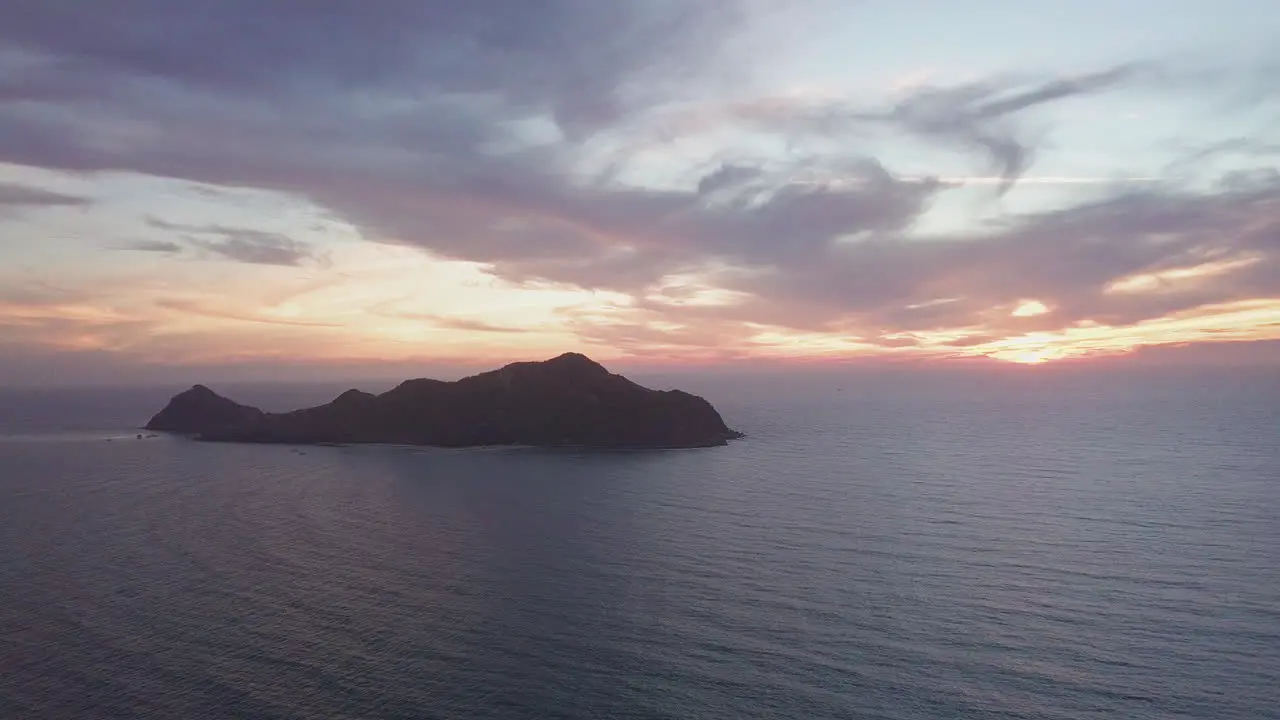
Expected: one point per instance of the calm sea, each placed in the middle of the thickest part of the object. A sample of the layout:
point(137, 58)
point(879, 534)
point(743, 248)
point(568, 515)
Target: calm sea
point(1015, 545)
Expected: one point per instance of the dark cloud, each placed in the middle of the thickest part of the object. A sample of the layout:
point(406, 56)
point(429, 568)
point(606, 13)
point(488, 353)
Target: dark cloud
point(23, 196)
point(993, 105)
point(585, 62)
point(474, 325)
point(155, 246)
point(245, 245)
point(409, 118)
point(257, 248)
point(1071, 260)
point(463, 127)
point(627, 238)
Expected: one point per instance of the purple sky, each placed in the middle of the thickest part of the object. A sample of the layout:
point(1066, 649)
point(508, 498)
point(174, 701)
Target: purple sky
point(322, 187)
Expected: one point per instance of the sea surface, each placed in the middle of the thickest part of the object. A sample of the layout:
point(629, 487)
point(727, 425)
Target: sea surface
point(993, 545)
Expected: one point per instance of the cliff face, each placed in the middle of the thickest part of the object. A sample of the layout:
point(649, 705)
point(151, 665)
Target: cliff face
point(567, 401)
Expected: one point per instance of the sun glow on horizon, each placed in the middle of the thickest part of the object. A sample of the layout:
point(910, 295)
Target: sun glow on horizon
point(392, 304)
point(1029, 357)
point(1257, 319)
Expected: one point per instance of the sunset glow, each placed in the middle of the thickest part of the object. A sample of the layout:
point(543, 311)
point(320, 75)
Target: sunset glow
point(1030, 308)
point(766, 198)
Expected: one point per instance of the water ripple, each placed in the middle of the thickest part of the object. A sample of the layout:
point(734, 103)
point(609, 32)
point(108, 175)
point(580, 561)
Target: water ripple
point(945, 555)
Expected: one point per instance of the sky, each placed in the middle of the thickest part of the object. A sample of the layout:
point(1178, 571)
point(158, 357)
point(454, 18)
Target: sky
point(292, 188)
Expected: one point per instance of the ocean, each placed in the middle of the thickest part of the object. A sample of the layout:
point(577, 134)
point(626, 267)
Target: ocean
point(1017, 544)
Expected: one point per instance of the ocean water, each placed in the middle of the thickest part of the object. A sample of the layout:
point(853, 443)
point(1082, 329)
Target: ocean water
point(1008, 545)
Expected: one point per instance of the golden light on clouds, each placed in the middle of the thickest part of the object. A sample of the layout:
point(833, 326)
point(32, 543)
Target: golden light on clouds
point(1030, 349)
point(1030, 308)
point(1257, 319)
point(1175, 277)
point(386, 302)
point(781, 343)
point(390, 303)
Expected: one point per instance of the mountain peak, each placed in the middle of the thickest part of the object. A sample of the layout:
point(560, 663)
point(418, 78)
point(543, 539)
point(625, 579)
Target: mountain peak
point(200, 408)
point(353, 396)
point(574, 361)
point(564, 366)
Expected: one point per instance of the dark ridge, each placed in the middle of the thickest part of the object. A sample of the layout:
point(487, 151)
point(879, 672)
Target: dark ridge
point(567, 401)
point(200, 410)
point(354, 396)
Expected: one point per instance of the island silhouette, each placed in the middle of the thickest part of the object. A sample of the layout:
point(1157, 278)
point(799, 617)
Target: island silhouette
point(567, 401)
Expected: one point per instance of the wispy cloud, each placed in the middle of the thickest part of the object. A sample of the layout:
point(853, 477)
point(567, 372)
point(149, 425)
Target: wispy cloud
point(980, 115)
point(614, 146)
point(443, 321)
point(998, 180)
point(24, 196)
point(259, 248)
point(154, 246)
point(207, 310)
point(245, 245)
point(468, 324)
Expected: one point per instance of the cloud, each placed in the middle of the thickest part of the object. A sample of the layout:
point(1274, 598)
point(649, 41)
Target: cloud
point(1181, 250)
point(978, 115)
point(43, 316)
point(518, 135)
point(444, 322)
point(255, 247)
point(23, 196)
point(155, 246)
point(1262, 353)
point(469, 324)
point(200, 309)
point(586, 63)
point(28, 292)
point(399, 127)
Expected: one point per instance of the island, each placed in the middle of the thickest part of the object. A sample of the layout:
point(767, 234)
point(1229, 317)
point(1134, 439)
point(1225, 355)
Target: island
point(567, 401)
